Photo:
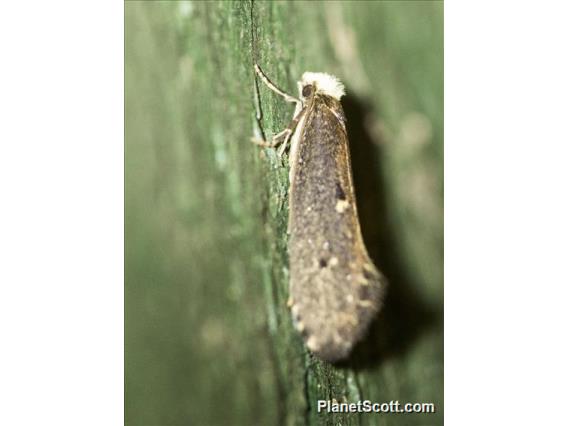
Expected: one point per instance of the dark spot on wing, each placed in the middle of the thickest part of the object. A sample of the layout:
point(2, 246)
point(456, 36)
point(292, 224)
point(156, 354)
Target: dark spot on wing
point(368, 275)
point(339, 193)
point(364, 292)
point(323, 263)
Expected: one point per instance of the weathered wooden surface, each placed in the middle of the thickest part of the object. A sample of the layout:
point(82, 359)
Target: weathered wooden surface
point(208, 337)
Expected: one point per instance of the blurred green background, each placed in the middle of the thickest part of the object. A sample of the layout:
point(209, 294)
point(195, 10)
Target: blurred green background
point(208, 337)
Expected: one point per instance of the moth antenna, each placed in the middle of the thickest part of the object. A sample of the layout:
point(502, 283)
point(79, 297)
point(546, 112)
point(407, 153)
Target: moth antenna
point(272, 86)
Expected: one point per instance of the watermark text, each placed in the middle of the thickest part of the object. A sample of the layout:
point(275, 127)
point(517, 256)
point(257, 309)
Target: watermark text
point(366, 406)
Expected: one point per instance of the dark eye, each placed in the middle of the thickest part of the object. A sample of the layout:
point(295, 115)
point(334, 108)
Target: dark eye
point(307, 90)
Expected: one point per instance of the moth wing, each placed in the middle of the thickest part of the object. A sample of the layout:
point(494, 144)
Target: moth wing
point(335, 288)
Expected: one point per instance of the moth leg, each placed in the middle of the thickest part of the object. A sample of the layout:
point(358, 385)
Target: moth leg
point(285, 143)
point(282, 137)
point(277, 139)
point(272, 86)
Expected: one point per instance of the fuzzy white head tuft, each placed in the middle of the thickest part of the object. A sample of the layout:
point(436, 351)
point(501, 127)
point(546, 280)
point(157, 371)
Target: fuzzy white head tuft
point(325, 83)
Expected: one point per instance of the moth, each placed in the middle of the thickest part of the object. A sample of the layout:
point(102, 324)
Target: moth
point(335, 289)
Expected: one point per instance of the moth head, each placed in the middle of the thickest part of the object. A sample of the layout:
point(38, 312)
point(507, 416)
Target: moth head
point(320, 82)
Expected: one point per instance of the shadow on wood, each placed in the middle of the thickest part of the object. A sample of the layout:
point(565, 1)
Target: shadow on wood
point(404, 316)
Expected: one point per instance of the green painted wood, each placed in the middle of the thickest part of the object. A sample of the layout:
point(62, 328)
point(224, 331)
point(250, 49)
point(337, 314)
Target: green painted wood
point(208, 337)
